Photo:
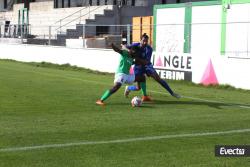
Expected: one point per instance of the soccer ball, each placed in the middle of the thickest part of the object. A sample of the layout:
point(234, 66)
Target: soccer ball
point(136, 101)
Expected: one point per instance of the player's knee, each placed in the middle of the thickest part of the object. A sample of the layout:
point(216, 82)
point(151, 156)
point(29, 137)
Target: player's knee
point(115, 88)
point(139, 79)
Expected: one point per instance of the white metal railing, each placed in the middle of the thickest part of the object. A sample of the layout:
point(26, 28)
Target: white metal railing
point(75, 17)
point(237, 37)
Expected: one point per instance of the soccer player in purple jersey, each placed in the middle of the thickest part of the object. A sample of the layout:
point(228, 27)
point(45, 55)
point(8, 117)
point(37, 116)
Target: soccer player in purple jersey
point(148, 69)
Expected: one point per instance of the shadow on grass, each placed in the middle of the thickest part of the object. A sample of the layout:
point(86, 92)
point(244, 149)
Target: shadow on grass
point(146, 105)
point(156, 102)
point(200, 103)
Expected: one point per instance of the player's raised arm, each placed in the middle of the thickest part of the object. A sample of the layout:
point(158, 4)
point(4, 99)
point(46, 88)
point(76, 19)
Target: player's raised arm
point(116, 49)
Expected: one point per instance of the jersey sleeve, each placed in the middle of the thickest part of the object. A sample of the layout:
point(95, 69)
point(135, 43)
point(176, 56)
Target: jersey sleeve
point(149, 53)
point(133, 44)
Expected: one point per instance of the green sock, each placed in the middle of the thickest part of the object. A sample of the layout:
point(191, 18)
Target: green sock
point(105, 95)
point(143, 88)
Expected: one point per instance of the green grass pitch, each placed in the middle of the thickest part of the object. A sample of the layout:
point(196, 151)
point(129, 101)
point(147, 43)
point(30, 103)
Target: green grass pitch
point(50, 105)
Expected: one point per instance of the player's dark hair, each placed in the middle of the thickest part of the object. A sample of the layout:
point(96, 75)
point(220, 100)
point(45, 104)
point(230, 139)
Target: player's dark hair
point(137, 50)
point(144, 36)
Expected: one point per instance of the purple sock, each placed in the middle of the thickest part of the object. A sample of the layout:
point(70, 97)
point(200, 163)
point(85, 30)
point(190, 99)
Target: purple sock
point(132, 88)
point(166, 86)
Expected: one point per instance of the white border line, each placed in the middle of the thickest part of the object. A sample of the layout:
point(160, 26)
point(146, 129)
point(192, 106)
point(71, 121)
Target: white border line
point(146, 138)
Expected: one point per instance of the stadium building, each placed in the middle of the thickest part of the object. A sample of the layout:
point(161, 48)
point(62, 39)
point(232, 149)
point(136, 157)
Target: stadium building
point(54, 21)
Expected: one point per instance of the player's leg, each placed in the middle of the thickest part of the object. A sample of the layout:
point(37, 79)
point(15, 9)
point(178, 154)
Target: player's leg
point(119, 80)
point(141, 84)
point(152, 73)
point(108, 93)
point(138, 72)
point(138, 79)
point(131, 79)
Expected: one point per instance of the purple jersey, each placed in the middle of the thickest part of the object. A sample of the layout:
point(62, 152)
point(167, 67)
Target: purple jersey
point(146, 52)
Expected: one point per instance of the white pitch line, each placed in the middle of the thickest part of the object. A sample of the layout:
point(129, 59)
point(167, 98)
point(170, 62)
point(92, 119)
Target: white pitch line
point(129, 140)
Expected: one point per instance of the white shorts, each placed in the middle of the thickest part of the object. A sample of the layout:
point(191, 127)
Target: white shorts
point(124, 78)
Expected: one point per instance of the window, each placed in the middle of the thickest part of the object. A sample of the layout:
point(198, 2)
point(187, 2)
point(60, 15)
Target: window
point(69, 4)
point(133, 3)
point(55, 3)
point(102, 30)
point(26, 2)
point(62, 3)
point(5, 4)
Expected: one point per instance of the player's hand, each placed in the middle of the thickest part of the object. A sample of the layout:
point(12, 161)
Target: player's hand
point(124, 47)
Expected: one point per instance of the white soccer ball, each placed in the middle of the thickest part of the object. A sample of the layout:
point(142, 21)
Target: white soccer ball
point(136, 101)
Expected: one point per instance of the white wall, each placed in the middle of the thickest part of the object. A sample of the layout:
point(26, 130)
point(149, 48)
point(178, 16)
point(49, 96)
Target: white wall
point(206, 29)
point(228, 70)
point(12, 16)
point(206, 44)
point(104, 60)
point(233, 68)
point(231, 71)
point(238, 31)
point(170, 32)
